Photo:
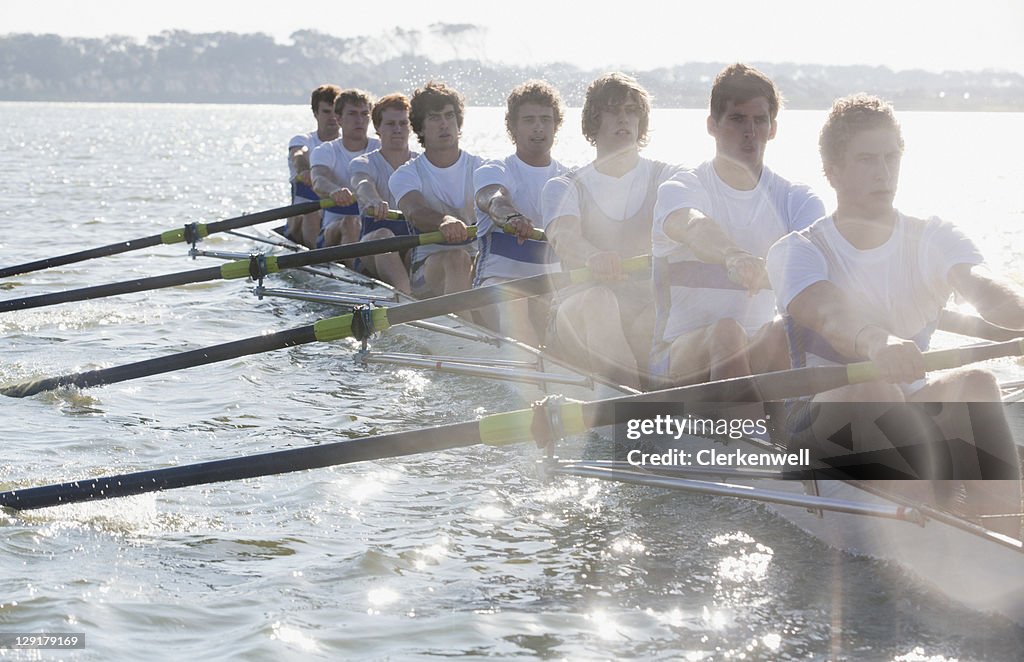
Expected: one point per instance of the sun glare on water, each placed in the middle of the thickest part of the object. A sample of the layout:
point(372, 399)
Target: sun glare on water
point(293, 636)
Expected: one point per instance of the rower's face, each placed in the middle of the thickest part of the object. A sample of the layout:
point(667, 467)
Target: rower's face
point(394, 128)
point(743, 132)
point(441, 128)
point(867, 175)
point(326, 119)
point(620, 125)
point(355, 119)
point(534, 129)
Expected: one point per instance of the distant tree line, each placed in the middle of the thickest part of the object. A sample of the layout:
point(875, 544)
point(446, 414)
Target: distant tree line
point(225, 67)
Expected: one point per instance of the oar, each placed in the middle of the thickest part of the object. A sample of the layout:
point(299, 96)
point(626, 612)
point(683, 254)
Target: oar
point(974, 326)
point(497, 430)
point(253, 267)
point(357, 324)
point(169, 237)
point(536, 234)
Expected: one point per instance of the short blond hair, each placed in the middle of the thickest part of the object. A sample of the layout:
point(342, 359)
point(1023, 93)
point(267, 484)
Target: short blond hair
point(849, 116)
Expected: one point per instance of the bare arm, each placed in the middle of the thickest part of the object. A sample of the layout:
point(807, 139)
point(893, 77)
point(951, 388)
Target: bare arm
point(997, 300)
point(300, 162)
point(710, 243)
point(565, 236)
point(367, 195)
point(326, 184)
point(495, 201)
point(826, 310)
point(427, 219)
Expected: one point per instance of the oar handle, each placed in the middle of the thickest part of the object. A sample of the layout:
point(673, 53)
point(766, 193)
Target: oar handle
point(437, 238)
point(943, 359)
point(629, 265)
point(391, 215)
point(535, 234)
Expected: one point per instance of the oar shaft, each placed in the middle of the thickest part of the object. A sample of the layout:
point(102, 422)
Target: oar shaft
point(576, 417)
point(169, 237)
point(112, 289)
point(170, 363)
point(325, 330)
point(265, 464)
point(497, 429)
point(358, 249)
point(236, 269)
point(248, 220)
point(974, 326)
point(81, 256)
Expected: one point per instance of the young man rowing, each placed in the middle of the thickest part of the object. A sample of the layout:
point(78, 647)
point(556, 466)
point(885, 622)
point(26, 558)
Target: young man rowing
point(370, 174)
point(869, 282)
point(305, 229)
point(508, 193)
point(435, 192)
point(330, 161)
point(713, 227)
point(597, 216)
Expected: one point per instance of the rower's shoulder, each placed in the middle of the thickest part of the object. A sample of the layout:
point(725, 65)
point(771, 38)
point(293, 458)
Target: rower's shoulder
point(470, 160)
point(921, 226)
point(574, 174)
point(683, 178)
point(921, 221)
point(367, 156)
point(496, 165)
point(660, 171)
point(791, 187)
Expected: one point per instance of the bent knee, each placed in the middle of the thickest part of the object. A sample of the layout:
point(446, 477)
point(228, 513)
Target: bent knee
point(977, 384)
point(600, 299)
point(727, 333)
point(457, 259)
point(454, 260)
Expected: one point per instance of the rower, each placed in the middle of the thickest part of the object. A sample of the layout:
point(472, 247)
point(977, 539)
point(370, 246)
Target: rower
point(712, 228)
point(304, 229)
point(435, 192)
point(869, 282)
point(370, 173)
point(330, 171)
point(508, 194)
point(596, 216)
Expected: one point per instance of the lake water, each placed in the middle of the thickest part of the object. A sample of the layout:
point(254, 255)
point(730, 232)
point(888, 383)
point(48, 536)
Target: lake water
point(463, 553)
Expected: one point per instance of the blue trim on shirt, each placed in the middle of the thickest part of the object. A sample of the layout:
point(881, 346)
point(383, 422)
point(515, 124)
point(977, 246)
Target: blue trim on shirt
point(508, 246)
point(300, 190)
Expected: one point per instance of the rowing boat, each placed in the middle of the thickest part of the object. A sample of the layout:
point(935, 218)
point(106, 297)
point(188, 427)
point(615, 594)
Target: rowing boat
point(962, 559)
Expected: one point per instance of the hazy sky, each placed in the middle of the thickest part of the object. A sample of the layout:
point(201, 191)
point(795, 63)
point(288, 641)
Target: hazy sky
point(902, 34)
